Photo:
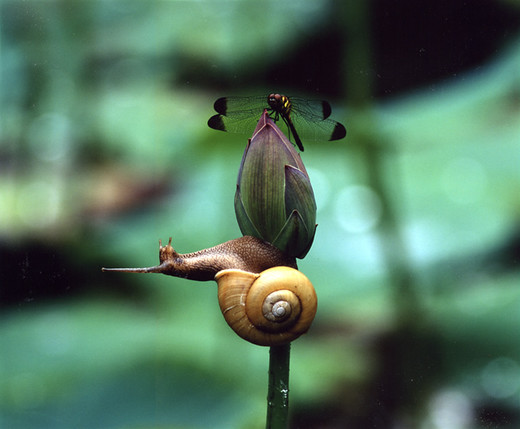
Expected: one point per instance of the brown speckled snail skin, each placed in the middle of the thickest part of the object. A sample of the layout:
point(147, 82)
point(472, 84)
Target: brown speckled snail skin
point(271, 308)
point(262, 295)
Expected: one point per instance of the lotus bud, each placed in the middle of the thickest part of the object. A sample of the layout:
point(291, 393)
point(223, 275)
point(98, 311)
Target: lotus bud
point(274, 200)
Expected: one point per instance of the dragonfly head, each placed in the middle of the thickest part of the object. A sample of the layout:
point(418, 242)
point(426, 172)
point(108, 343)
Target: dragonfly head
point(274, 98)
point(279, 103)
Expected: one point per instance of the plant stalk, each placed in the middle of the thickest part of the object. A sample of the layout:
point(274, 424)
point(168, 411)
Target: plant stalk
point(278, 391)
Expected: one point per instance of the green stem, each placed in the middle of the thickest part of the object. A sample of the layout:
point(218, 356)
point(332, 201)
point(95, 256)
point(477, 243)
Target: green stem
point(278, 393)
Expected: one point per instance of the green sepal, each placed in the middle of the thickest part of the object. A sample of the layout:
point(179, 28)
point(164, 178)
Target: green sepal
point(299, 195)
point(294, 239)
point(305, 250)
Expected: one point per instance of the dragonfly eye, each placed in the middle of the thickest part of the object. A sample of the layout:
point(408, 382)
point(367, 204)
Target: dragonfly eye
point(275, 101)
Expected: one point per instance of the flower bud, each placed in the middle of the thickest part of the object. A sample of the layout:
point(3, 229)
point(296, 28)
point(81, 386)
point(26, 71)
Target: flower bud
point(274, 200)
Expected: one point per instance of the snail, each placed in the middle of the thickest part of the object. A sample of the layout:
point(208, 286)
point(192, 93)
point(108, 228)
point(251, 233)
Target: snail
point(246, 253)
point(271, 308)
point(261, 294)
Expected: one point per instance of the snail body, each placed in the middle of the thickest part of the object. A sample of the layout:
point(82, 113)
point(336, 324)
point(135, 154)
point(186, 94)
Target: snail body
point(271, 308)
point(244, 253)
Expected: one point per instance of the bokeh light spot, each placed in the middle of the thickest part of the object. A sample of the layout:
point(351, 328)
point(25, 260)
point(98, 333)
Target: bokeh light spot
point(38, 204)
point(358, 209)
point(50, 137)
point(501, 377)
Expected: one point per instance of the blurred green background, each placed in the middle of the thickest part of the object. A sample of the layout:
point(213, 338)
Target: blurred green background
point(104, 149)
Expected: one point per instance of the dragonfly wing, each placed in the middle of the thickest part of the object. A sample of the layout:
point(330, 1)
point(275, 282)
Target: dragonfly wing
point(309, 117)
point(228, 106)
point(240, 122)
point(338, 132)
point(319, 108)
point(312, 128)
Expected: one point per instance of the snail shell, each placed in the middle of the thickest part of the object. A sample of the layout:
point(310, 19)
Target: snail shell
point(271, 308)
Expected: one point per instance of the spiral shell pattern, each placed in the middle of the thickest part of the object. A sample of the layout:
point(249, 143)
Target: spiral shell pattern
point(271, 308)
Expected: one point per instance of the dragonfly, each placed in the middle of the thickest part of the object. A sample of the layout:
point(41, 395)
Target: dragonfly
point(305, 118)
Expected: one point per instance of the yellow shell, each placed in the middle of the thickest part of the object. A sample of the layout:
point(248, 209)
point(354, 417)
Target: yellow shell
point(271, 308)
